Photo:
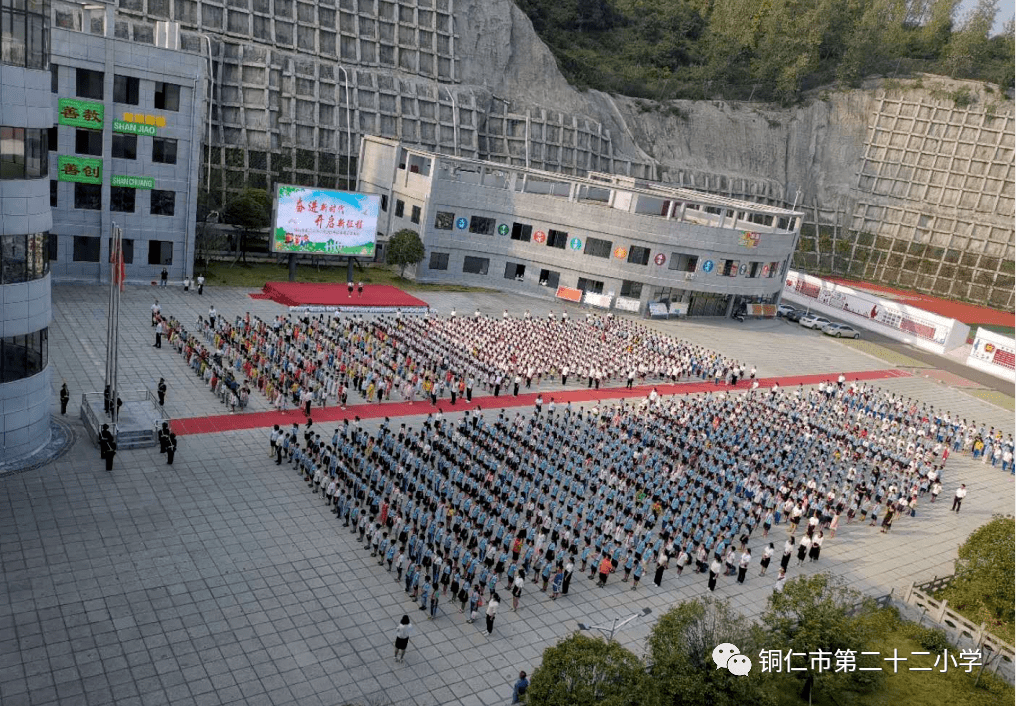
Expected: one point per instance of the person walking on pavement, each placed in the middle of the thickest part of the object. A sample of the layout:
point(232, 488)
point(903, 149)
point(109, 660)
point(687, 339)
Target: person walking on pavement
point(65, 397)
point(403, 631)
point(161, 389)
point(156, 310)
point(961, 493)
point(492, 607)
point(521, 687)
point(107, 446)
point(170, 449)
point(201, 284)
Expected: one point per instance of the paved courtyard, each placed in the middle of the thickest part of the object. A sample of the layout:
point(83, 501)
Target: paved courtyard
point(223, 580)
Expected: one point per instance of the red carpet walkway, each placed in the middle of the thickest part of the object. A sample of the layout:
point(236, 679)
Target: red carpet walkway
point(308, 293)
point(256, 420)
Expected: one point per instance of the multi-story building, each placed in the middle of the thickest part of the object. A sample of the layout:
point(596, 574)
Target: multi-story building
point(25, 110)
point(532, 231)
point(126, 124)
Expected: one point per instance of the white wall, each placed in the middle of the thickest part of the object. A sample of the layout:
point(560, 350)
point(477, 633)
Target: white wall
point(990, 353)
point(908, 324)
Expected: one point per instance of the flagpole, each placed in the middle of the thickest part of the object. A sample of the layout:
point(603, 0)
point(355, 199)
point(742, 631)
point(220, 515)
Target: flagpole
point(116, 277)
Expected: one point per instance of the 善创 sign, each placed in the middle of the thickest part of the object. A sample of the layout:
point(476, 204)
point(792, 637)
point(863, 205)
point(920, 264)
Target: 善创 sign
point(79, 169)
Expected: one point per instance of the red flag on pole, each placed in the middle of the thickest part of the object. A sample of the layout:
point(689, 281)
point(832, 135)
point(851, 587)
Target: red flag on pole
point(119, 266)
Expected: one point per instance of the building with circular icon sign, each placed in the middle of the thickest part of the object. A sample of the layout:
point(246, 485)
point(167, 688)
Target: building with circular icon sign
point(593, 237)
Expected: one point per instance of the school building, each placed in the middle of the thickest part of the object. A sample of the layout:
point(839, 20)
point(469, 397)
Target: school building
point(604, 239)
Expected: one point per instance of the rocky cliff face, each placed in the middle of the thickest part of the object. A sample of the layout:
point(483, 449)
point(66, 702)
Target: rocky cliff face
point(906, 184)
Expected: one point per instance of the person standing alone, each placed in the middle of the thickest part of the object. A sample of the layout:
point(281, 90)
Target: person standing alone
point(164, 278)
point(162, 391)
point(403, 631)
point(961, 493)
point(65, 397)
point(107, 446)
point(170, 449)
point(492, 607)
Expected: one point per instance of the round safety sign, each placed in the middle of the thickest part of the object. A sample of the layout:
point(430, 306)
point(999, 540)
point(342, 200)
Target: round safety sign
point(620, 253)
point(660, 258)
point(539, 237)
point(503, 229)
point(707, 266)
point(575, 243)
point(461, 223)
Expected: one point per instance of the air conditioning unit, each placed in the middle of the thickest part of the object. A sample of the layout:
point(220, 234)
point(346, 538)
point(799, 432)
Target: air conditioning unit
point(689, 275)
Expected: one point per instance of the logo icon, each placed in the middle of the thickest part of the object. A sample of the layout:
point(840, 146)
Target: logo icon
point(539, 237)
point(728, 656)
point(620, 253)
point(461, 223)
point(660, 258)
point(503, 229)
point(707, 266)
point(575, 243)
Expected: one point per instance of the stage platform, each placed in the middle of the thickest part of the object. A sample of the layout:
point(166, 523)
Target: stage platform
point(306, 296)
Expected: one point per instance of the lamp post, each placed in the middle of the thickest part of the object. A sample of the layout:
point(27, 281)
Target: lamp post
point(618, 623)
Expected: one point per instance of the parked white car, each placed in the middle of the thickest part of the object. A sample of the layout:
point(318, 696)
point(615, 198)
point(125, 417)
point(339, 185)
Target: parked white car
point(840, 331)
point(813, 321)
point(784, 309)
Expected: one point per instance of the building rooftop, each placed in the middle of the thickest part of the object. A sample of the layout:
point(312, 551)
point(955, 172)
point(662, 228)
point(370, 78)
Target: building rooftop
point(614, 191)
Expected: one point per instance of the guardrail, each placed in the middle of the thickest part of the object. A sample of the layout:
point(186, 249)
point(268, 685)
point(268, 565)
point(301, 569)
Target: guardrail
point(1001, 657)
point(129, 435)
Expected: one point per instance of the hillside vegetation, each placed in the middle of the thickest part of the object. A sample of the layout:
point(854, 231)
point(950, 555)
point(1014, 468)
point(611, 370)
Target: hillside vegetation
point(769, 50)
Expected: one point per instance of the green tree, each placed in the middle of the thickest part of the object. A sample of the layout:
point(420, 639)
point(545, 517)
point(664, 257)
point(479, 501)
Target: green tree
point(582, 671)
point(984, 571)
point(250, 211)
point(207, 239)
point(819, 612)
point(680, 650)
point(404, 248)
point(970, 46)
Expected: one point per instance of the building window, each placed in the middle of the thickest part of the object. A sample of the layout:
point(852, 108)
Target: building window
point(24, 153)
point(52, 247)
point(515, 271)
point(126, 89)
point(631, 290)
point(23, 356)
point(53, 192)
point(89, 84)
point(163, 150)
point(163, 202)
point(475, 265)
point(25, 39)
point(23, 257)
point(122, 199)
point(400, 208)
point(754, 269)
point(598, 247)
point(86, 248)
point(444, 220)
point(167, 96)
point(88, 196)
point(54, 78)
point(557, 239)
point(51, 138)
point(384, 202)
point(590, 285)
point(160, 252)
point(482, 225)
point(774, 269)
point(438, 261)
point(730, 268)
point(522, 231)
point(127, 245)
point(125, 146)
point(549, 278)
point(88, 142)
point(638, 255)
point(415, 215)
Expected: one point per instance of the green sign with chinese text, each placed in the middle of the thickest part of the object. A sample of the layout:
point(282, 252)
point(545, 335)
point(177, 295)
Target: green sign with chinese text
point(80, 113)
point(80, 169)
point(132, 182)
